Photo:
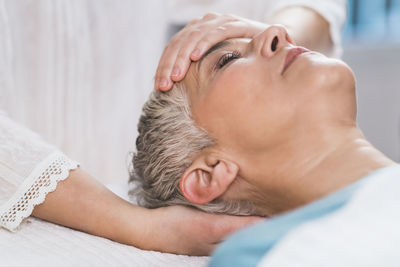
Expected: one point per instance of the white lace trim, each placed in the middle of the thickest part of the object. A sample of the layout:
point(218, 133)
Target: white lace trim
point(33, 190)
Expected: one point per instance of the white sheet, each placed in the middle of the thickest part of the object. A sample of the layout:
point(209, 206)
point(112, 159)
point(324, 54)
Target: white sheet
point(365, 232)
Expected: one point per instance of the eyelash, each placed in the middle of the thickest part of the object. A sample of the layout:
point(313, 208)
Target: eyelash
point(226, 58)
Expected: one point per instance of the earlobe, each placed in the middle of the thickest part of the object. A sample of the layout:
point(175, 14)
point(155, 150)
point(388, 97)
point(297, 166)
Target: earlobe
point(207, 179)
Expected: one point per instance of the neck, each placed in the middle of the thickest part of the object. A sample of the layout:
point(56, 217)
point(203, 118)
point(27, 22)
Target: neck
point(314, 167)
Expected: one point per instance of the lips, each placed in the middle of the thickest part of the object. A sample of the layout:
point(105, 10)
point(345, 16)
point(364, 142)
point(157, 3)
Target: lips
point(292, 55)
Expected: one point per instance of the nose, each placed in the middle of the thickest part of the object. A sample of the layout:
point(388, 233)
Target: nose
point(269, 42)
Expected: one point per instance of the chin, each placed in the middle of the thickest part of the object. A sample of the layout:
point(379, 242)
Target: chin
point(332, 83)
point(329, 73)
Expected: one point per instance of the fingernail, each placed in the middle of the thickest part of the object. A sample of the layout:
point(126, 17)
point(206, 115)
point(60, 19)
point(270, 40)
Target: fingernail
point(163, 83)
point(175, 72)
point(196, 53)
point(157, 84)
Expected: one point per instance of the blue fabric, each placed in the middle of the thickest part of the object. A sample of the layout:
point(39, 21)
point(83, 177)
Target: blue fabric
point(247, 247)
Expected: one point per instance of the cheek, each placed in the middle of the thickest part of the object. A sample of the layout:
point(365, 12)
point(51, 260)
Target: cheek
point(243, 108)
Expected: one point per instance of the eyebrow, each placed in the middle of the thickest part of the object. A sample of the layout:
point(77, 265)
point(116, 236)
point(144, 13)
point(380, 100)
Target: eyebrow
point(213, 49)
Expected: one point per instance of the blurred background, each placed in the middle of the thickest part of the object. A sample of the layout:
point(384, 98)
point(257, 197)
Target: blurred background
point(371, 45)
point(78, 72)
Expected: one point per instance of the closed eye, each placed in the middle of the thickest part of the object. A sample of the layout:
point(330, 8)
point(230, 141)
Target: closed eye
point(226, 58)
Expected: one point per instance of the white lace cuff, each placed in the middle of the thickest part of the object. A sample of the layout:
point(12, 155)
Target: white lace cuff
point(42, 180)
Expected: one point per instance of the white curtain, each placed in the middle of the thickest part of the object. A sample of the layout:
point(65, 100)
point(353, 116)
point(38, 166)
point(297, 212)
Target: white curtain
point(78, 72)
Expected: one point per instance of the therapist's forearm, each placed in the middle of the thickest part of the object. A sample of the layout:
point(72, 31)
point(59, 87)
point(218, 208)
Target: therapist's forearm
point(306, 27)
point(83, 203)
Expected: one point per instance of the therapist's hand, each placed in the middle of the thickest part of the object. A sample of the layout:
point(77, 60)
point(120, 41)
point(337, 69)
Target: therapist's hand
point(195, 39)
point(183, 230)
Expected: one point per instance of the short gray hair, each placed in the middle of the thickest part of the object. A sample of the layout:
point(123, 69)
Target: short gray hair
point(167, 143)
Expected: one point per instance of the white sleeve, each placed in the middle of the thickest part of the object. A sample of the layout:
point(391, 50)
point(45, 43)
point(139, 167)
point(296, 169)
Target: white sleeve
point(334, 11)
point(29, 170)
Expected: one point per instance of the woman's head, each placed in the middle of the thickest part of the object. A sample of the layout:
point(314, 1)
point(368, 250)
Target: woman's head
point(249, 104)
point(167, 144)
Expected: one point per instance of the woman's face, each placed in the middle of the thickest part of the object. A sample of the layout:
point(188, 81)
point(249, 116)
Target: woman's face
point(253, 95)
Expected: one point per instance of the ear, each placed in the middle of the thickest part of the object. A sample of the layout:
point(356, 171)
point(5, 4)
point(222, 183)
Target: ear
point(207, 178)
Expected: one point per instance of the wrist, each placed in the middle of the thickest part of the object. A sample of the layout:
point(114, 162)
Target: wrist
point(256, 27)
point(136, 227)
